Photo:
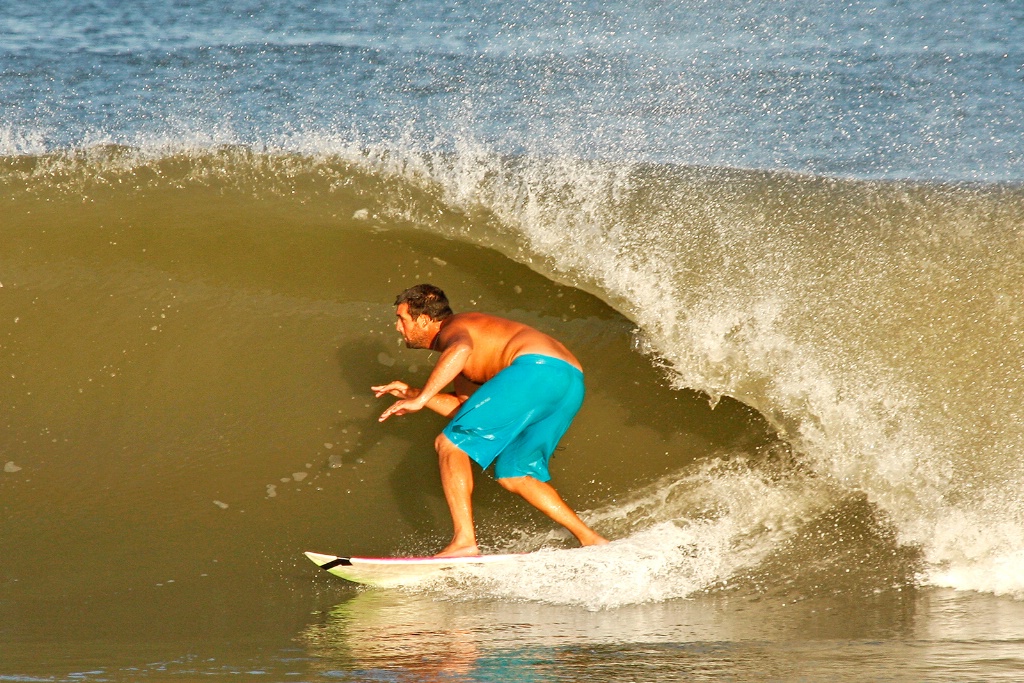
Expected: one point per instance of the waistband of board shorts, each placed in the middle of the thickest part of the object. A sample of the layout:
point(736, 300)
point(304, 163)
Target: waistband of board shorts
point(541, 359)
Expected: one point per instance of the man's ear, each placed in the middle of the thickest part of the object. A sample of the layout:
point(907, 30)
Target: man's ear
point(423, 320)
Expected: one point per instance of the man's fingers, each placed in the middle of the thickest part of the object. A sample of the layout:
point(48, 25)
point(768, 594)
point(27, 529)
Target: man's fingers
point(397, 388)
point(389, 388)
point(400, 407)
point(395, 409)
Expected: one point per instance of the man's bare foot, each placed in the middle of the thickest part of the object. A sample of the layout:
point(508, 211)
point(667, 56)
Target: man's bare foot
point(596, 540)
point(457, 550)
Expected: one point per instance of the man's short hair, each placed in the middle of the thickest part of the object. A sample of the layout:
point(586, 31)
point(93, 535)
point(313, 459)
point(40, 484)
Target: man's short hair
point(425, 300)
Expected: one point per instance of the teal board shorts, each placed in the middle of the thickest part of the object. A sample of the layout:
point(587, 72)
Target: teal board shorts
point(516, 418)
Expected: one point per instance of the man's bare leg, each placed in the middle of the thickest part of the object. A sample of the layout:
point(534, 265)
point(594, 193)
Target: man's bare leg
point(545, 498)
point(457, 482)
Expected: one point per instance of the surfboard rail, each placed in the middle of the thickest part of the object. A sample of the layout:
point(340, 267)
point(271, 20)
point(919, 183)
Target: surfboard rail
point(384, 572)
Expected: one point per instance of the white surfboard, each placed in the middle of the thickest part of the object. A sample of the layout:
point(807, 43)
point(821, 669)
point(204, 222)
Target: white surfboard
point(385, 572)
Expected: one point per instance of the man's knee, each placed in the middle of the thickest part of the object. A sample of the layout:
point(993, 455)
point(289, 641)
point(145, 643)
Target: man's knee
point(442, 443)
point(514, 484)
point(447, 451)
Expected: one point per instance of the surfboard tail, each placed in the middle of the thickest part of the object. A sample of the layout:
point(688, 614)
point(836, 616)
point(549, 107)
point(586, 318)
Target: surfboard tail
point(384, 572)
point(328, 562)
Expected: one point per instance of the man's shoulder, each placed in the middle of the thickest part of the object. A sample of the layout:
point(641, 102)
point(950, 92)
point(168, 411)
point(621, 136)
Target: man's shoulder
point(480, 326)
point(477, 319)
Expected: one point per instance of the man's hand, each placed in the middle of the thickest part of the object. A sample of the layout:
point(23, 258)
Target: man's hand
point(397, 389)
point(407, 396)
point(401, 408)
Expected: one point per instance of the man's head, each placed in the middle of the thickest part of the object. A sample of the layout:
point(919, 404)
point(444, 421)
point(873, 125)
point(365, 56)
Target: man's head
point(420, 311)
point(425, 300)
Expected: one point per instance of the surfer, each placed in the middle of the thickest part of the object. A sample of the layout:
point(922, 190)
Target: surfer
point(515, 392)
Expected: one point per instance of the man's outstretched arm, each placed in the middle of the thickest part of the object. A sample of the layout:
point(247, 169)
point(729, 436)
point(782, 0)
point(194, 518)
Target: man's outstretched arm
point(449, 366)
point(444, 404)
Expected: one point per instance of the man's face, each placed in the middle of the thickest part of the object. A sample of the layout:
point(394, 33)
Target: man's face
point(415, 331)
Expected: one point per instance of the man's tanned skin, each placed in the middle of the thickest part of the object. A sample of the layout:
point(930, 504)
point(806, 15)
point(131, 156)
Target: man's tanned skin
point(474, 348)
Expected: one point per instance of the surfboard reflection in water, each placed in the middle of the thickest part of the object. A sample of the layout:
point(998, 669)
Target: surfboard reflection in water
point(377, 634)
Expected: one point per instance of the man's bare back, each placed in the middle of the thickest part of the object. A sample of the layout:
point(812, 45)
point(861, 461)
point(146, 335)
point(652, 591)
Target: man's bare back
point(495, 343)
point(474, 348)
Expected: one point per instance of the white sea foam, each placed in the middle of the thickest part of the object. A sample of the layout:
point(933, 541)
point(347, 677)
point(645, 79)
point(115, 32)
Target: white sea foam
point(984, 554)
point(18, 141)
point(690, 531)
point(826, 324)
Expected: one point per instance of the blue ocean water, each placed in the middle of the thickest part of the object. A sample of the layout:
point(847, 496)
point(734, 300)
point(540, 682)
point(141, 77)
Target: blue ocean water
point(886, 89)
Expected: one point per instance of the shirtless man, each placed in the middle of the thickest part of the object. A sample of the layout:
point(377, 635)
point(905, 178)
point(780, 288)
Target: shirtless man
point(516, 390)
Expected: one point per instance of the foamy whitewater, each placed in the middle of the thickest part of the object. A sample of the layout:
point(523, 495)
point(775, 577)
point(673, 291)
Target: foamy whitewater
point(887, 356)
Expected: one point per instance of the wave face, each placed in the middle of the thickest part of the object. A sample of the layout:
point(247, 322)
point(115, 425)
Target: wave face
point(194, 330)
